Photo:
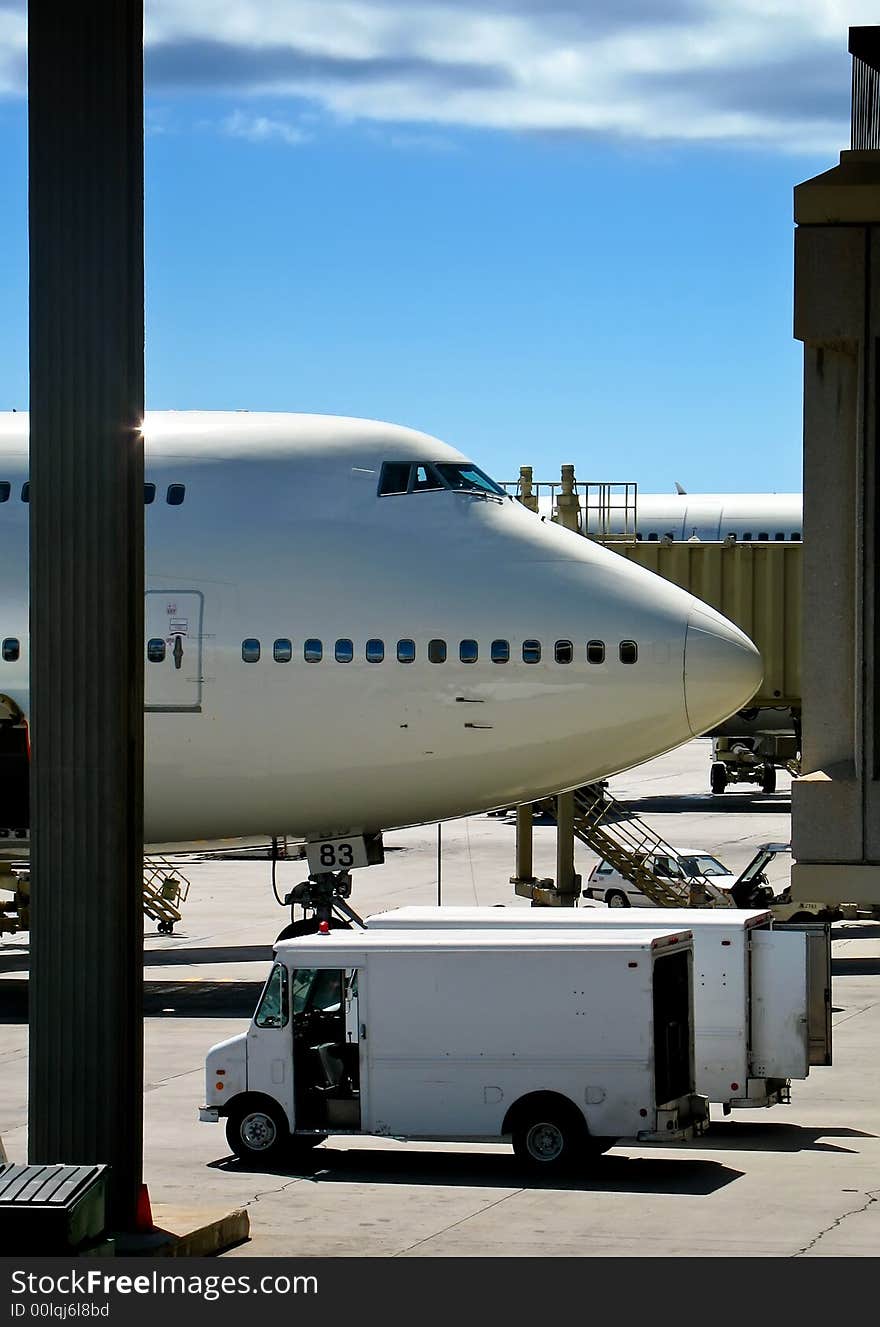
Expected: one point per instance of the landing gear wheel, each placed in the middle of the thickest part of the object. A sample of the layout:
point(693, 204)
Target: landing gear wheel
point(718, 777)
point(165, 928)
point(309, 926)
point(615, 898)
point(768, 779)
point(550, 1140)
point(256, 1130)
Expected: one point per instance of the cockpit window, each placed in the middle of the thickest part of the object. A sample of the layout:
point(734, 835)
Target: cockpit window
point(426, 476)
point(394, 478)
point(469, 477)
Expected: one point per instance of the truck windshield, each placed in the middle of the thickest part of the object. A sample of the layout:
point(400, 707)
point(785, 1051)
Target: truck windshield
point(272, 1009)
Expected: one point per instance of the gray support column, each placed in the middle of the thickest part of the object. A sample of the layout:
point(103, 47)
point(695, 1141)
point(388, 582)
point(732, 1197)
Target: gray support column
point(524, 840)
point(87, 545)
point(836, 803)
point(565, 877)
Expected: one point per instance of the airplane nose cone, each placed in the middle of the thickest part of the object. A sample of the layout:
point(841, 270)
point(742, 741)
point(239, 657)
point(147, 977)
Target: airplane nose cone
point(722, 670)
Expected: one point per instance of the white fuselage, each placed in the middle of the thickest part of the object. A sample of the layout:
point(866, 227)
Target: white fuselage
point(282, 537)
point(748, 517)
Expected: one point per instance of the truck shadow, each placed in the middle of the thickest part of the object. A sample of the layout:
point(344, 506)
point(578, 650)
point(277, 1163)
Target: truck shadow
point(612, 1173)
point(743, 1136)
point(855, 967)
point(162, 999)
point(734, 803)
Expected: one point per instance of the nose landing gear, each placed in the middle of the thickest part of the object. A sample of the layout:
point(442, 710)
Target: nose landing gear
point(323, 899)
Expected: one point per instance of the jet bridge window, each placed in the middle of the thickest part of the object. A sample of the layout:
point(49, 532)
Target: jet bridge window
point(375, 651)
point(282, 650)
point(531, 651)
point(272, 1011)
point(5, 490)
point(628, 651)
point(468, 651)
point(313, 651)
point(250, 650)
point(155, 650)
point(344, 651)
point(500, 651)
point(436, 651)
point(564, 651)
point(406, 651)
point(149, 494)
point(11, 649)
point(595, 651)
point(175, 495)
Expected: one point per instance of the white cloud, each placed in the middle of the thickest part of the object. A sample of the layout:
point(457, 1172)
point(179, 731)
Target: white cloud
point(262, 129)
point(771, 72)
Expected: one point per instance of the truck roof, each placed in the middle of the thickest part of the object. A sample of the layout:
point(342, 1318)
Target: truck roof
point(540, 919)
point(447, 939)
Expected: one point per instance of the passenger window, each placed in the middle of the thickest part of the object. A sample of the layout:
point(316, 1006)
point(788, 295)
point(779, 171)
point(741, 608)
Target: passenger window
point(629, 651)
point(26, 491)
point(149, 494)
point(406, 651)
point(747, 536)
point(344, 652)
point(436, 651)
point(468, 651)
point(272, 1009)
point(313, 651)
point(425, 478)
point(282, 650)
point(639, 536)
point(375, 651)
point(500, 651)
point(5, 490)
point(155, 650)
point(796, 534)
point(595, 651)
point(779, 535)
point(564, 651)
point(250, 650)
point(11, 649)
point(394, 478)
point(175, 495)
point(531, 651)
point(652, 537)
point(764, 535)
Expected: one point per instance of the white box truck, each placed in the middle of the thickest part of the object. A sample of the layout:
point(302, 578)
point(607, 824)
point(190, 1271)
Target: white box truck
point(563, 1042)
point(762, 994)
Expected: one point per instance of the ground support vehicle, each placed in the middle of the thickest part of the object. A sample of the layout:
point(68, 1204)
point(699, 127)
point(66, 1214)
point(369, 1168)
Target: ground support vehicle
point(762, 994)
point(562, 1042)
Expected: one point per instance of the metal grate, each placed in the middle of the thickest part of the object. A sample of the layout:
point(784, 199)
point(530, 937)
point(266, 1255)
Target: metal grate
point(864, 46)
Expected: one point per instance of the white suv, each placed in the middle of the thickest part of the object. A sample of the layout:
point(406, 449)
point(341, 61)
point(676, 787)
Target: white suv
point(607, 884)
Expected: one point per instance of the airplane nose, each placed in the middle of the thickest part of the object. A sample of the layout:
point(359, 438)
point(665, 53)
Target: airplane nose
point(722, 670)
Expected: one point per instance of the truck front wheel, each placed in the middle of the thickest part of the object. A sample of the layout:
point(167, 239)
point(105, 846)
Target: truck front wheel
point(549, 1140)
point(256, 1130)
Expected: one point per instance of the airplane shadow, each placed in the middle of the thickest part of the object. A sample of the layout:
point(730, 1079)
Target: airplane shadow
point(162, 999)
point(609, 1174)
point(19, 960)
point(735, 803)
point(737, 1135)
point(855, 967)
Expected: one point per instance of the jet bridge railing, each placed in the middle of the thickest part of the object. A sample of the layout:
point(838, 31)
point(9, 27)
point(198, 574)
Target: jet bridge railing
point(602, 509)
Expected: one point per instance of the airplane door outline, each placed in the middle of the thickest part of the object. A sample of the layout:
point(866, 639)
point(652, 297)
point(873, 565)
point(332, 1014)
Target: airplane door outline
point(174, 684)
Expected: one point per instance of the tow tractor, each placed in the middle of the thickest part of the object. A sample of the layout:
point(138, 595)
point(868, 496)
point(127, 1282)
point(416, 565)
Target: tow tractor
point(753, 890)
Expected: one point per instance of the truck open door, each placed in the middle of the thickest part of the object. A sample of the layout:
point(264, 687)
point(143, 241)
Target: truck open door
point(790, 1002)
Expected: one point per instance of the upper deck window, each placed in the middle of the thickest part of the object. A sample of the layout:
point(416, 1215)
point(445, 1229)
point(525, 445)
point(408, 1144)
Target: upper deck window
point(11, 649)
point(406, 651)
point(344, 651)
point(175, 495)
point(375, 651)
point(5, 490)
point(149, 494)
point(468, 651)
point(26, 491)
point(500, 651)
point(436, 651)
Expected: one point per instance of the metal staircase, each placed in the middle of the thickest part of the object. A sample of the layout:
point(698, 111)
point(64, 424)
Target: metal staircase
point(604, 825)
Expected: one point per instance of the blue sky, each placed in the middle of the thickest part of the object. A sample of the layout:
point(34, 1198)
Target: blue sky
point(544, 232)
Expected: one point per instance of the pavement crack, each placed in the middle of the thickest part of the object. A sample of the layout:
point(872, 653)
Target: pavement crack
point(854, 1211)
point(460, 1222)
point(267, 1193)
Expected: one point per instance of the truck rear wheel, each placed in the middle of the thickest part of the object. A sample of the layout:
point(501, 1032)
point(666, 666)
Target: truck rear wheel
point(718, 777)
point(257, 1130)
point(550, 1139)
point(768, 778)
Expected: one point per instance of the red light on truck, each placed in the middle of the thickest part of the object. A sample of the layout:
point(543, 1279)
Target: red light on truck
point(219, 1087)
point(643, 1113)
point(324, 928)
point(734, 1087)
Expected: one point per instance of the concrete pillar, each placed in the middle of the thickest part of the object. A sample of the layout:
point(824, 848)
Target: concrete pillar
point(87, 580)
point(525, 495)
point(568, 507)
point(836, 802)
